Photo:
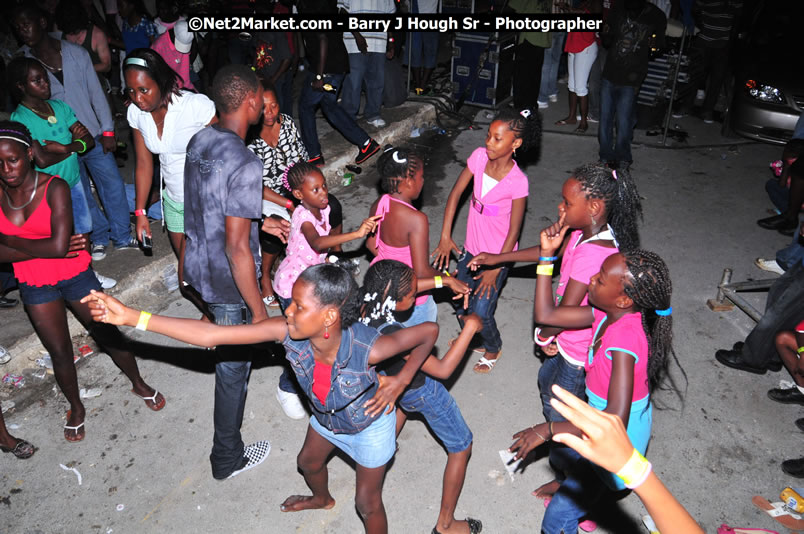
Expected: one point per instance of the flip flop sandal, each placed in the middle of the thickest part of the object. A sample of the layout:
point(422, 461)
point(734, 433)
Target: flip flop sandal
point(581, 130)
point(563, 122)
point(586, 525)
point(725, 529)
point(156, 406)
point(21, 450)
point(78, 437)
point(779, 512)
point(475, 526)
point(481, 352)
point(488, 363)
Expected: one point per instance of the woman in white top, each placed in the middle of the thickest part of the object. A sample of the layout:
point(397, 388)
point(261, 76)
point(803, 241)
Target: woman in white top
point(163, 118)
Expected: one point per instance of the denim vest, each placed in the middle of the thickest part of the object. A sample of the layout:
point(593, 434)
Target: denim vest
point(353, 382)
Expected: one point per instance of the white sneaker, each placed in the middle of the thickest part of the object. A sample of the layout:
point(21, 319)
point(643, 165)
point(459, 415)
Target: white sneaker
point(542, 105)
point(98, 252)
point(700, 94)
point(5, 357)
point(105, 281)
point(553, 98)
point(377, 123)
point(768, 265)
point(291, 404)
point(256, 453)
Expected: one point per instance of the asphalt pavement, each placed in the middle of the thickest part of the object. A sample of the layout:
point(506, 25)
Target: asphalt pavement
point(715, 447)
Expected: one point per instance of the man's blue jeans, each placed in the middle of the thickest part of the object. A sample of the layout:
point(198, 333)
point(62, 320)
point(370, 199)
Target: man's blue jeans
point(552, 59)
point(368, 68)
point(616, 108)
point(334, 113)
point(114, 224)
point(231, 385)
point(485, 306)
point(791, 254)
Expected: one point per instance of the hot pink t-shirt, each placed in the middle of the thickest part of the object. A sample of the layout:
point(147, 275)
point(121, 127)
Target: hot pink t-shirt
point(581, 261)
point(299, 255)
point(486, 231)
point(625, 335)
point(800, 327)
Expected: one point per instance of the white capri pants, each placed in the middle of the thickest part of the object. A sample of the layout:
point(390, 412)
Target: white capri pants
point(579, 65)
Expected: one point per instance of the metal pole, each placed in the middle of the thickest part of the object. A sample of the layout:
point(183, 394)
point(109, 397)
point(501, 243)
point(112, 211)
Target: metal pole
point(673, 90)
point(410, 55)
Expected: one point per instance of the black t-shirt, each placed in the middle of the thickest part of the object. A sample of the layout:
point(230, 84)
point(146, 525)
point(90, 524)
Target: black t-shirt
point(629, 53)
point(337, 61)
point(394, 365)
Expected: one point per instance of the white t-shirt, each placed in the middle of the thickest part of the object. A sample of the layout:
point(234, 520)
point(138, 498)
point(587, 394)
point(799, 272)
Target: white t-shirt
point(375, 41)
point(186, 115)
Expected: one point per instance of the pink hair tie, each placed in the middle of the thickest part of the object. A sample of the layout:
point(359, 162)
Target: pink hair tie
point(285, 178)
point(614, 174)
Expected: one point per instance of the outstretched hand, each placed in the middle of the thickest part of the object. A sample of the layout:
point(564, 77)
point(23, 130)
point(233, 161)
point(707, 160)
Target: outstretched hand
point(526, 441)
point(459, 288)
point(390, 388)
point(604, 441)
point(484, 258)
point(441, 253)
point(488, 283)
point(107, 309)
point(277, 227)
point(368, 225)
point(552, 236)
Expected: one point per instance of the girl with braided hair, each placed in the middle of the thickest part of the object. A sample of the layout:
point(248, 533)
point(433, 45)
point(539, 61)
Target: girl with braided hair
point(406, 236)
point(627, 358)
point(497, 207)
point(36, 220)
point(333, 356)
point(603, 208)
point(389, 289)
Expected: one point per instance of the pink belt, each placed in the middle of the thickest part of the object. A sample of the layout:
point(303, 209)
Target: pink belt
point(485, 209)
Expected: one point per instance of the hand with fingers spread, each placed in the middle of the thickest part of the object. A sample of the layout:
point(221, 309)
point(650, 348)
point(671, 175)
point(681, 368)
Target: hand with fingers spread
point(440, 255)
point(388, 391)
point(488, 283)
point(552, 236)
point(484, 258)
point(107, 309)
point(277, 227)
point(528, 439)
point(78, 242)
point(459, 288)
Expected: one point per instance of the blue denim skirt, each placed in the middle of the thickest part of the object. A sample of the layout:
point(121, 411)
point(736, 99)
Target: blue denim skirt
point(371, 447)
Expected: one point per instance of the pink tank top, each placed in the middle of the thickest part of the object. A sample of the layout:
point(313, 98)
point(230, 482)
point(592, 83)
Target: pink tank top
point(386, 251)
point(42, 271)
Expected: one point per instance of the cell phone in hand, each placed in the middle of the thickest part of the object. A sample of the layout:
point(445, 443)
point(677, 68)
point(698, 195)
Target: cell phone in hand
point(147, 242)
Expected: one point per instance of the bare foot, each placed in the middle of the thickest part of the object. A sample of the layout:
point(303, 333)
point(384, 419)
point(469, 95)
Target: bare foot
point(547, 490)
point(297, 503)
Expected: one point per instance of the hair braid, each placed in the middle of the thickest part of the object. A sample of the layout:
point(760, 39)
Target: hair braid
point(295, 174)
point(618, 191)
point(333, 286)
point(395, 165)
point(650, 288)
point(386, 279)
point(526, 125)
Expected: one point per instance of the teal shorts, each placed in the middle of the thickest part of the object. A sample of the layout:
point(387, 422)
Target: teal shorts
point(173, 213)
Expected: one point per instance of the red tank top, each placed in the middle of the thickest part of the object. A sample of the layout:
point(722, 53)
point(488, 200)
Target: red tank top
point(42, 271)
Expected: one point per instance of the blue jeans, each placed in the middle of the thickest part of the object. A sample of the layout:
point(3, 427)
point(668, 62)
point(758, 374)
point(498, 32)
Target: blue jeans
point(153, 212)
point(779, 195)
point(575, 497)
point(82, 219)
point(231, 385)
point(424, 312)
point(424, 49)
point(617, 103)
point(368, 68)
point(791, 254)
point(284, 93)
point(287, 380)
point(441, 412)
point(334, 113)
point(114, 224)
point(484, 307)
point(552, 59)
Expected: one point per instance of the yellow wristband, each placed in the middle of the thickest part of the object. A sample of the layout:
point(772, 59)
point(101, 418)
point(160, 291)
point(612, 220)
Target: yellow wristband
point(142, 324)
point(635, 470)
point(439, 282)
point(545, 269)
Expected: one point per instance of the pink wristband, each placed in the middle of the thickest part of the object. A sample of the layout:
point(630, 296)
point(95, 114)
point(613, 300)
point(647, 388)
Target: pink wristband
point(108, 134)
point(139, 212)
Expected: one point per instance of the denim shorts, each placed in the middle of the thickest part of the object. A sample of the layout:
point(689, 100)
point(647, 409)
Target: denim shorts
point(72, 289)
point(422, 313)
point(443, 416)
point(371, 447)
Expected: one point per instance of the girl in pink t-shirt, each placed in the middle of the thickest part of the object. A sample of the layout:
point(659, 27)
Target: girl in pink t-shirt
point(604, 208)
point(626, 360)
point(309, 239)
point(497, 205)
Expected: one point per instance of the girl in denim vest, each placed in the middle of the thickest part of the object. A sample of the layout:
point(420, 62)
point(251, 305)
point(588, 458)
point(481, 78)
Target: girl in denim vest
point(333, 358)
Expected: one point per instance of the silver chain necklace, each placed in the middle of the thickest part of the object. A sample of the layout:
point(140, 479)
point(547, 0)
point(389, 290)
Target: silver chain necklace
point(33, 194)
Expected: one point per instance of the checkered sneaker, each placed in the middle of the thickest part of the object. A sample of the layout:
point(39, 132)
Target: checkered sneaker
point(256, 453)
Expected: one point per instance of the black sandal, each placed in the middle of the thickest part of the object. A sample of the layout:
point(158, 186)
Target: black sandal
point(475, 526)
point(21, 450)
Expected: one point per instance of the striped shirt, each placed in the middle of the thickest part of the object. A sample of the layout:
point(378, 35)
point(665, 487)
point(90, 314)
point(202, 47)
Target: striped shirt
point(376, 41)
point(717, 20)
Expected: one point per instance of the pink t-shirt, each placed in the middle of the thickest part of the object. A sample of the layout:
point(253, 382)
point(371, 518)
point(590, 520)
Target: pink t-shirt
point(299, 255)
point(625, 335)
point(177, 61)
point(486, 231)
point(800, 327)
point(580, 261)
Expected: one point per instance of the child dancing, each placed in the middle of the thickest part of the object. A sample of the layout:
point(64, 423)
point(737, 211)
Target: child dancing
point(497, 206)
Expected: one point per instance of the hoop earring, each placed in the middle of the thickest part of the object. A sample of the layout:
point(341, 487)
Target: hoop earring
point(326, 332)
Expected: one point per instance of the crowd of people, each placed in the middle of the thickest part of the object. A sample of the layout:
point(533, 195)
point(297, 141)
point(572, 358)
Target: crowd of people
point(240, 186)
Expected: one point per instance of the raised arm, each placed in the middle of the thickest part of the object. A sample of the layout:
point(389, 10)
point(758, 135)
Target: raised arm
point(322, 243)
point(444, 367)
point(107, 309)
point(446, 245)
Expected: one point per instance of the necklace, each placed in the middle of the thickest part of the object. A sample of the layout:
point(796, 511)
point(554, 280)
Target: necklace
point(48, 67)
point(50, 117)
point(33, 194)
